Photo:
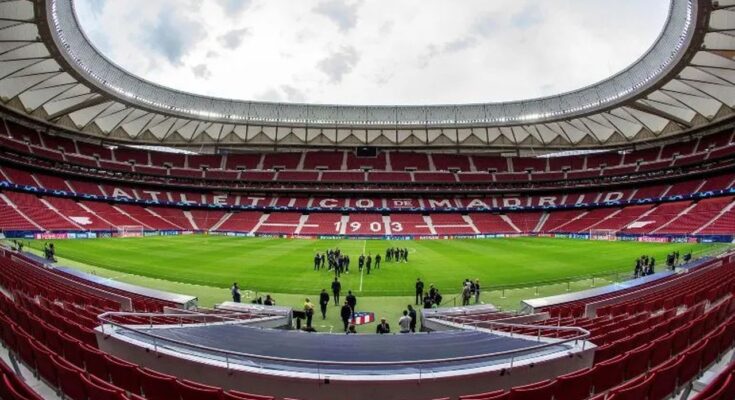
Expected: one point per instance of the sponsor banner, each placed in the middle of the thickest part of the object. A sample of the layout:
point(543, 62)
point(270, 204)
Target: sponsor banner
point(51, 236)
point(654, 239)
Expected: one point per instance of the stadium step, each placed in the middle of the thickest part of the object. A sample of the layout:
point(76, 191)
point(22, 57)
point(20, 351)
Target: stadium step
point(604, 219)
point(193, 223)
point(471, 224)
point(300, 226)
point(430, 224)
point(11, 204)
point(510, 223)
point(89, 210)
point(53, 209)
point(713, 220)
point(159, 216)
point(541, 222)
point(257, 226)
point(432, 166)
point(686, 211)
point(121, 211)
point(386, 225)
point(222, 220)
point(578, 216)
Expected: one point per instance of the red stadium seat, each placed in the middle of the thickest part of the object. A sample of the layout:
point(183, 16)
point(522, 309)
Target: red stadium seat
point(543, 390)
point(483, 396)
point(680, 340)
point(95, 362)
point(14, 389)
point(155, 385)
point(608, 374)
point(100, 390)
point(719, 389)
point(196, 391)
point(573, 386)
point(23, 346)
point(235, 395)
point(70, 379)
point(665, 379)
point(46, 369)
point(72, 352)
point(636, 389)
point(638, 360)
point(661, 350)
point(692, 363)
point(123, 374)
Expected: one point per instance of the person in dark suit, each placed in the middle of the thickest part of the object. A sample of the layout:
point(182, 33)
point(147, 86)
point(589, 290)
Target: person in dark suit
point(351, 300)
point(317, 261)
point(419, 290)
point(324, 302)
point(346, 314)
point(383, 327)
point(235, 290)
point(368, 263)
point(361, 262)
point(414, 318)
point(377, 261)
point(336, 289)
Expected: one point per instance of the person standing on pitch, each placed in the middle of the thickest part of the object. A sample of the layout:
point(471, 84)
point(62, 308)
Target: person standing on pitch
point(412, 315)
point(361, 262)
point(324, 302)
point(336, 289)
point(419, 290)
point(352, 301)
point(346, 314)
point(309, 311)
point(466, 294)
point(317, 262)
point(405, 322)
point(377, 261)
point(368, 263)
point(235, 290)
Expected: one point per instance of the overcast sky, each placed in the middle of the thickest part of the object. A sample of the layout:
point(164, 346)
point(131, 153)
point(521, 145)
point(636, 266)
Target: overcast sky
point(374, 51)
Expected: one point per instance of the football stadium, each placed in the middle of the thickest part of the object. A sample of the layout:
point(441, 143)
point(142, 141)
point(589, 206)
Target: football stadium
point(344, 199)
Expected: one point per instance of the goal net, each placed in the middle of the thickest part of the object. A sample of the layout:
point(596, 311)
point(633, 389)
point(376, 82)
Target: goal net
point(603, 234)
point(129, 231)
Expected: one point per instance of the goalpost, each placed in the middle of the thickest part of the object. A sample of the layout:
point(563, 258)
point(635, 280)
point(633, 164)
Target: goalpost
point(130, 231)
point(603, 234)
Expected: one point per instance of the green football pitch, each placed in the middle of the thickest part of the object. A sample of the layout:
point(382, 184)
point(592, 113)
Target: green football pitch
point(205, 266)
point(286, 266)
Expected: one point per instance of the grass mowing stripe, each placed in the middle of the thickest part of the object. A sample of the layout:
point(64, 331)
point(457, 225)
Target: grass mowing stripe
point(286, 265)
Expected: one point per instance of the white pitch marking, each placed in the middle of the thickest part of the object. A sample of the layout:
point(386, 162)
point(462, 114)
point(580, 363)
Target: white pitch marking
point(362, 271)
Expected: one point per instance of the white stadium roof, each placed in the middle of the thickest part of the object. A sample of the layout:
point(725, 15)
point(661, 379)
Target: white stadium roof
point(50, 71)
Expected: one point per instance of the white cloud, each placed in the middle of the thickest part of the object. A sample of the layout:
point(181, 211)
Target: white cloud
point(233, 39)
point(374, 52)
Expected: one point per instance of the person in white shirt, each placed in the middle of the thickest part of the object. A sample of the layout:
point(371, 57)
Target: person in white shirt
point(405, 322)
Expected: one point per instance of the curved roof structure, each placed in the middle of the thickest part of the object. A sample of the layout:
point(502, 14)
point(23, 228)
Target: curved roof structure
point(50, 71)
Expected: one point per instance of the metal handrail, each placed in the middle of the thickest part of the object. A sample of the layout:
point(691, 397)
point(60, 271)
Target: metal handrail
point(583, 335)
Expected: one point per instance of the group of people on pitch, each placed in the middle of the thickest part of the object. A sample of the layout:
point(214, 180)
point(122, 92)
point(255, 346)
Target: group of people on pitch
point(470, 290)
point(431, 298)
point(644, 266)
point(335, 260)
point(396, 254)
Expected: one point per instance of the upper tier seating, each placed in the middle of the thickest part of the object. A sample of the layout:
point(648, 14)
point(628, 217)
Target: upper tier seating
point(223, 169)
